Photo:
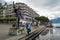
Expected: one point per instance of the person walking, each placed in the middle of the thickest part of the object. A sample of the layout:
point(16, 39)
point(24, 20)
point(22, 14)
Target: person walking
point(28, 27)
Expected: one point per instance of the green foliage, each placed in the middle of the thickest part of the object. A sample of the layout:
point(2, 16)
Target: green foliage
point(7, 19)
point(12, 19)
point(3, 19)
point(42, 19)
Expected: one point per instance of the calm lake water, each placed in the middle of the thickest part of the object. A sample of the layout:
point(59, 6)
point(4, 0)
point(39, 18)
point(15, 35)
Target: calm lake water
point(56, 24)
point(50, 34)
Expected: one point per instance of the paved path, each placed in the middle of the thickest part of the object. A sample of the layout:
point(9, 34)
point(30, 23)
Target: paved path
point(4, 30)
point(22, 35)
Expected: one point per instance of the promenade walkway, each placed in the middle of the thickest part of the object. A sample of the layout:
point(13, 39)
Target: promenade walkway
point(4, 31)
point(22, 35)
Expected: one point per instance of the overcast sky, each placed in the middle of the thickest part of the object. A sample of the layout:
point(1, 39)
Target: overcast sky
point(48, 8)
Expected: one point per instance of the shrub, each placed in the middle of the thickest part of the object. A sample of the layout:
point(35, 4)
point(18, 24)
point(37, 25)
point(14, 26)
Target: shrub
point(7, 19)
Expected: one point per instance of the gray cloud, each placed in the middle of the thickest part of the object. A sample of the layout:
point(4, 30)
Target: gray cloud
point(51, 6)
point(2, 1)
point(44, 3)
point(48, 8)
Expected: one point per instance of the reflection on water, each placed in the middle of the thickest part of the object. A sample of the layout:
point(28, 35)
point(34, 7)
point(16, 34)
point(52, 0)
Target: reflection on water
point(56, 32)
point(50, 34)
point(56, 24)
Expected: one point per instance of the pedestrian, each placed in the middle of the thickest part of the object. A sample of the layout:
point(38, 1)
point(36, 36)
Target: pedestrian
point(15, 25)
point(28, 27)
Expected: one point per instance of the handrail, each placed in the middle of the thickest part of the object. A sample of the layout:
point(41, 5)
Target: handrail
point(35, 35)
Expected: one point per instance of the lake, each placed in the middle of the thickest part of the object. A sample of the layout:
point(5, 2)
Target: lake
point(50, 33)
point(56, 24)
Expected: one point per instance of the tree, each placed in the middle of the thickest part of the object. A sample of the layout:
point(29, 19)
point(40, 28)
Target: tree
point(37, 18)
point(42, 19)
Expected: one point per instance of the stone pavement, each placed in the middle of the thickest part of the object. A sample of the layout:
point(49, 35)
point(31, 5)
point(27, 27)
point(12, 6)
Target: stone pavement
point(24, 34)
point(4, 29)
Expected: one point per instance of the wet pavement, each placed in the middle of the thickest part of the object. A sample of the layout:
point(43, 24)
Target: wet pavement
point(4, 29)
point(50, 34)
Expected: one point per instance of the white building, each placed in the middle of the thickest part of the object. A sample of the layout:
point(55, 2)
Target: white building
point(27, 12)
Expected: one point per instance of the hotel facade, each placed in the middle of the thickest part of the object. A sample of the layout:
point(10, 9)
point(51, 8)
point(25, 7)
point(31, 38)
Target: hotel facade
point(28, 14)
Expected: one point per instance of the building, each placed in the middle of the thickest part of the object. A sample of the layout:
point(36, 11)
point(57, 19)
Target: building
point(8, 10)
point(1, 10)
point(28, 14)
point(23, 8)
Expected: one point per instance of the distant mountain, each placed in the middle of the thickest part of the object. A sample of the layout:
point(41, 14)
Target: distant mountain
point(56, 20)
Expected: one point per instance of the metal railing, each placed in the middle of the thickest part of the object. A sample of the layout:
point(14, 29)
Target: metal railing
point(33, 35)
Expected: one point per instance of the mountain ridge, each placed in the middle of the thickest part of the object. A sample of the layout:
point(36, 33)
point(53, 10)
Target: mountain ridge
point(56, 20)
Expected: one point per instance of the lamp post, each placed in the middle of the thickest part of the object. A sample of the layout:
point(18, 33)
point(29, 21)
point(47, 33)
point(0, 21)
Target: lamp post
point(18, 13)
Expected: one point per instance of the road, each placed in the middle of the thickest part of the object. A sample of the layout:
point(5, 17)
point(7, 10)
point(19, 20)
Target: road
point(4, 29)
